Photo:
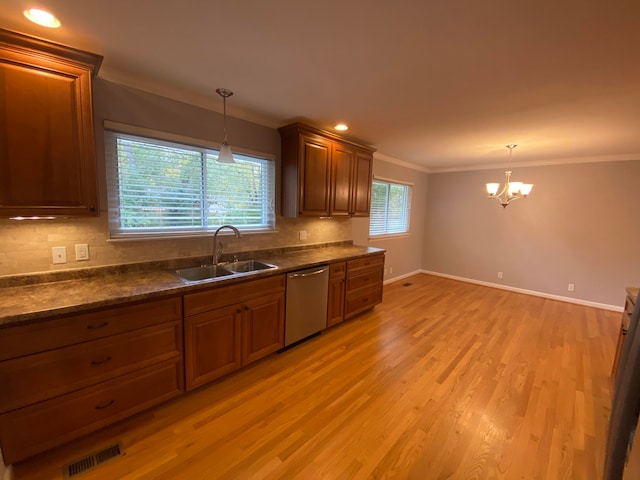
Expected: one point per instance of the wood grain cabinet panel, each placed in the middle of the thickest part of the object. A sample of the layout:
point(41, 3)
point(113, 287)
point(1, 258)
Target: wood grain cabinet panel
point(212, 344)
point(61, 378)
point(30, 430)
point(262, 327)
point(324, 174)
point(335, 307)
point(364, 284)
point(37, 377)
point(53, 333)
point(228, 327)
point(47, 157)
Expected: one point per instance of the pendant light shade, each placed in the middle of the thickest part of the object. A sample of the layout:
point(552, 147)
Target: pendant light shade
point(225, 155)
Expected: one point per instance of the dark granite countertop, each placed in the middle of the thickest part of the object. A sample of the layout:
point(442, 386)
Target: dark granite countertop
point(47, 295)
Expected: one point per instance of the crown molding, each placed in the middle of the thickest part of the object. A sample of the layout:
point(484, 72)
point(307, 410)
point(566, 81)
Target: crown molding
point(543, 163)
point(402, 163)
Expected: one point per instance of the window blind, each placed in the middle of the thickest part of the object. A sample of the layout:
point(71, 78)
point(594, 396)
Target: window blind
point(390, 208)
point(159, 188)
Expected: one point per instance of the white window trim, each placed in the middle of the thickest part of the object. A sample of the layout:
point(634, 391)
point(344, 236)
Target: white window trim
point(390, 236)
point(117, 127)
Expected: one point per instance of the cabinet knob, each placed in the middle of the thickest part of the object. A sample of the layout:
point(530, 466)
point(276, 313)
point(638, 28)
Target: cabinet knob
point(96, 327)
point(106, 405)
point(100, 362)
point(92, 208)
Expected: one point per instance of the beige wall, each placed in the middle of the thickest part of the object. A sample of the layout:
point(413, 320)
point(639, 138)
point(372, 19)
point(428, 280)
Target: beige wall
point(25, 246)
point(578, 226)
point(403, 253)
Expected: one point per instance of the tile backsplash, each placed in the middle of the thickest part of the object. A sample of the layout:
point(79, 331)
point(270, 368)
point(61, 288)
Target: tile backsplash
point(25, 246)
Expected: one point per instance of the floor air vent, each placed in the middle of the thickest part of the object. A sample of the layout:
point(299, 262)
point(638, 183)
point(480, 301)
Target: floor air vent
point(92, 461)
point(408, 284)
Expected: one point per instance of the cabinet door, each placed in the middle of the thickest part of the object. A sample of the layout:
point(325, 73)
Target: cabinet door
point(47, 158)
point(341, 180)
point(336, 301)
point(362, 178)
point(212, 344)
point(314, 176)
point(262, 327)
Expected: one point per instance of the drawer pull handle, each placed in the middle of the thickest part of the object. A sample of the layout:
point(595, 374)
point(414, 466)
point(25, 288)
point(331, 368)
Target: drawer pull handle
point(107, 405)
point(96, 327)
point(100, 362)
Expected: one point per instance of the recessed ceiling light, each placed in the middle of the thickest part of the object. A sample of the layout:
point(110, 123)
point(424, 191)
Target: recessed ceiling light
point(42, 17)
point(341, 127)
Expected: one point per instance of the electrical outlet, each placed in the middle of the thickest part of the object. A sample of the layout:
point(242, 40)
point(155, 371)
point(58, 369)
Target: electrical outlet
point(390, 270)
point(59, 254)
point(302, 234)
point(82, 252)
point(571, 287)
point(499, 274)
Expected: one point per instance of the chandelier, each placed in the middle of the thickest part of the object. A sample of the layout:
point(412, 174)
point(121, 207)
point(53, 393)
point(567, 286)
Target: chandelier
point(511, 190)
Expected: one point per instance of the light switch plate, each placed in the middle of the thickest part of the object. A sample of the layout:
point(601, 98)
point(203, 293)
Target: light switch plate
point(82, 252)
point(59, 254)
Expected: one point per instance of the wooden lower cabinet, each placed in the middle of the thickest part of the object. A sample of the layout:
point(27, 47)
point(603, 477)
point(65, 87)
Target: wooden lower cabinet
point(364, 284)
point(229, 327)
point(64, 377)
point(262, 327)
point(212, 345)
point(335, 305)
point(30, 430)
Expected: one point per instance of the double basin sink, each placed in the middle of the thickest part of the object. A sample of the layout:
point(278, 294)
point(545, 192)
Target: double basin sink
point(210, 272)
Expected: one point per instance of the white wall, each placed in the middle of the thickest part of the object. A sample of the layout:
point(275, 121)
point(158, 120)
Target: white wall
point(578, 226)
point(403, 254)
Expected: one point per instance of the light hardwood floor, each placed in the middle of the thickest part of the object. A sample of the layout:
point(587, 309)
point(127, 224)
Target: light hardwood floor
point(443, 380)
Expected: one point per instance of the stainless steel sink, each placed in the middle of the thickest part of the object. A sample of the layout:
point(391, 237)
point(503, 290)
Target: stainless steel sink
point(204, 272)
point(245, 266)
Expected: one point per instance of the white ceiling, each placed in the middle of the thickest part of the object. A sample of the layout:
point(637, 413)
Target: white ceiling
point(444, 84)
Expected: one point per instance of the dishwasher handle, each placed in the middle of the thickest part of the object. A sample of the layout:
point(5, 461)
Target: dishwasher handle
point(309, 274)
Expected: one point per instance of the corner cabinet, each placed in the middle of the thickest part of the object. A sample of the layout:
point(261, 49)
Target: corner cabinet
point(324, 175)
point(47, 150)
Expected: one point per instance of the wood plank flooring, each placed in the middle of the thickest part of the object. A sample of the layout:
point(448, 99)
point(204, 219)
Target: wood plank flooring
point(444, 380)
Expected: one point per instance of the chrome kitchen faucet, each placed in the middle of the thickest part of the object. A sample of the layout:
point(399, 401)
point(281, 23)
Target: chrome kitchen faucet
point(217, 253)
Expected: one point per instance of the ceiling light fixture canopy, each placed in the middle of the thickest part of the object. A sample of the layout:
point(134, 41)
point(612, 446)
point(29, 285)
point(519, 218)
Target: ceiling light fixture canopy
point(225, 155)
point(511, 190)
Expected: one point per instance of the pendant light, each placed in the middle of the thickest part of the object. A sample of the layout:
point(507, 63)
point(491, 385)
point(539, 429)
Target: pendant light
point(225, 155)
point(511, 190)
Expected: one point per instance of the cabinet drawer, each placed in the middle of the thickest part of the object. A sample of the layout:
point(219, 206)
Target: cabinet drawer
point(34, 429)
point(337, 270)
point(41, 376)
point(354, 267)
point(222, 296)
point(362, 300)
point(367, 279)
point(60, 332)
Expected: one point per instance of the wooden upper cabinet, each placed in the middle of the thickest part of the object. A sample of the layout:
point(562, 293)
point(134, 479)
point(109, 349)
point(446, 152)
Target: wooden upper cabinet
point(315, 176)
point(362, 177)
point(323, 174)
point(341, 189)
point(47, 150)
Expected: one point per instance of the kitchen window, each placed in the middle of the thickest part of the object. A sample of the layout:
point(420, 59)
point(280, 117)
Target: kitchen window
point(390, 208)
point(160, 188)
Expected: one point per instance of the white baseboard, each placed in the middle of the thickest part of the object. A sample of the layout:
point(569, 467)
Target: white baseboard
point(400, 277)
point(603, 306)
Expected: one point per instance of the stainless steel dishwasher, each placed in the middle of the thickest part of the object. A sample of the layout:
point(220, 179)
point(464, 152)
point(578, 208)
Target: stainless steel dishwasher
point(306, 307)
